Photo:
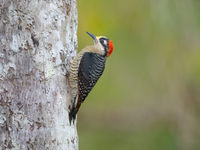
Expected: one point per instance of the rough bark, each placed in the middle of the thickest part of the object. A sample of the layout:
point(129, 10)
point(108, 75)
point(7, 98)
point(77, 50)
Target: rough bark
point(35, 37)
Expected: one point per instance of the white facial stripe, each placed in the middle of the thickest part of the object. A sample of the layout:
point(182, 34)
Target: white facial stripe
point(105, 42)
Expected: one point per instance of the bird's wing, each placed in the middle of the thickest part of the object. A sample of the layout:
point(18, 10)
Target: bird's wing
point(90, 69)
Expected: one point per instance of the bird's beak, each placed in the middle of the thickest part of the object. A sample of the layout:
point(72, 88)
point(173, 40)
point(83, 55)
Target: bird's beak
point(93, 36)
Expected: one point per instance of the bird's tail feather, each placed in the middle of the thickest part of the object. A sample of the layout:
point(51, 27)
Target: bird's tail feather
point(73, 112)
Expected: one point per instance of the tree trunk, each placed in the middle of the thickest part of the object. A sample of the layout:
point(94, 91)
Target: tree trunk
point(35, 37)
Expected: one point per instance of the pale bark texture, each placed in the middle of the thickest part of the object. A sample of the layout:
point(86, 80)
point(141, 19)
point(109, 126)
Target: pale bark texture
point(36, 38)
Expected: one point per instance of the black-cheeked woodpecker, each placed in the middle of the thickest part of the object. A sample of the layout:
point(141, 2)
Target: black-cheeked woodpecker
point(85, 70)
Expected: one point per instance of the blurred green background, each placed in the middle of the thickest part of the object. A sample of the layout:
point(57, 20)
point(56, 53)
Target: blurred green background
point(149, 95)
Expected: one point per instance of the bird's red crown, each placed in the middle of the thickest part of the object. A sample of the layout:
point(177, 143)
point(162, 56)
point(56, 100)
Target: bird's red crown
point(110, 47)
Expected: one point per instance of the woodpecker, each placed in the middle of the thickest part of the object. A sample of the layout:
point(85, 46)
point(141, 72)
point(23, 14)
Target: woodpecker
point(85, 70)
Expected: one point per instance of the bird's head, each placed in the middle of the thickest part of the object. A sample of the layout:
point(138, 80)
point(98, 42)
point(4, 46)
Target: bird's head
point(103, 44)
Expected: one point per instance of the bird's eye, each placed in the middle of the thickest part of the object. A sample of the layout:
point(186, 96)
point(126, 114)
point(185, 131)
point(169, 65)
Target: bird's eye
point(103, 41)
